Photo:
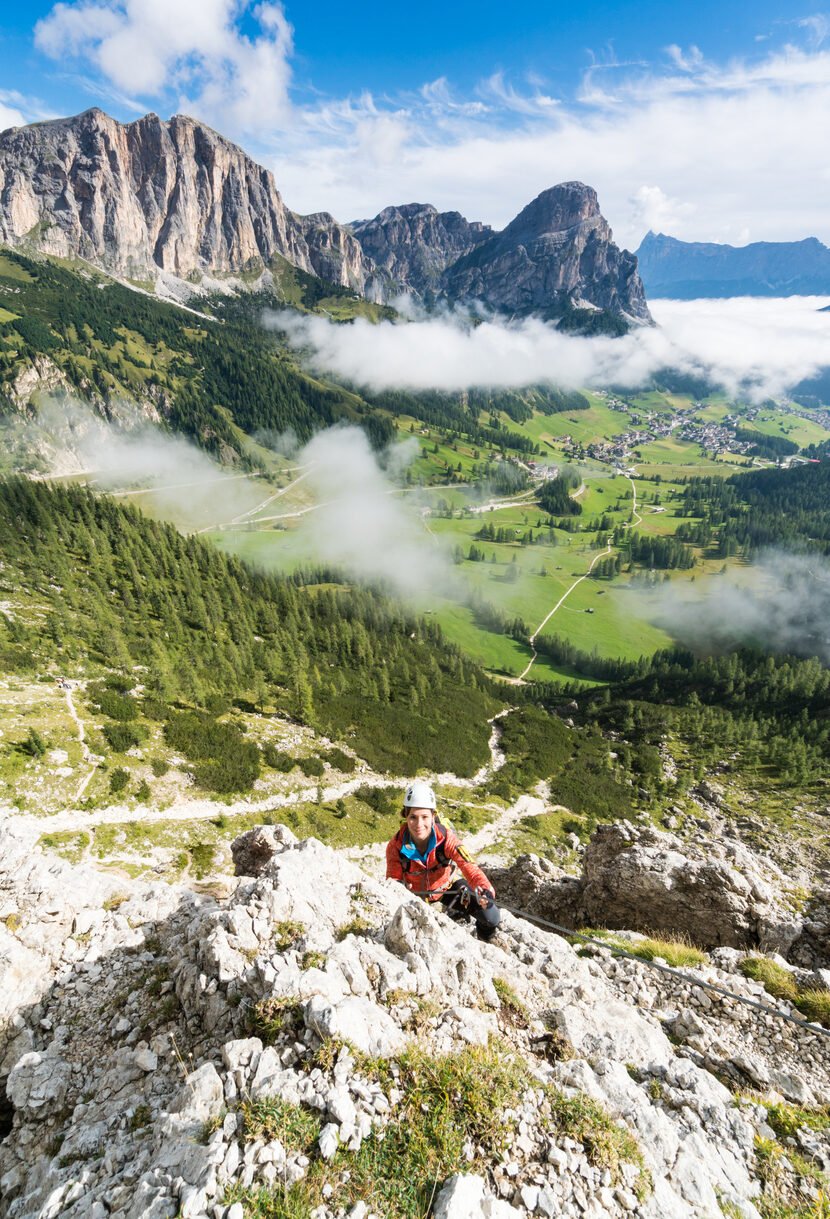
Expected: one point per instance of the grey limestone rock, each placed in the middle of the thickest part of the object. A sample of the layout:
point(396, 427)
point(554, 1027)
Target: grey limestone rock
point(150, 196)
point(38, 1083)
point(465, 1196)
point(358, 1021)
point(415, 243)
point(639, 879)
point(557, 252)
point(254, 850)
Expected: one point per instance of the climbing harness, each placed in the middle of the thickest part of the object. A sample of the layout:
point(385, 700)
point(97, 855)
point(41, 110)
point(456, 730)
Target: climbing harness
point(808, 1025)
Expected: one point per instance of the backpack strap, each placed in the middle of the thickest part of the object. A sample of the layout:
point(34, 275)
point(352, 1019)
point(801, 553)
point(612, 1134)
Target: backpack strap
point(440, 853)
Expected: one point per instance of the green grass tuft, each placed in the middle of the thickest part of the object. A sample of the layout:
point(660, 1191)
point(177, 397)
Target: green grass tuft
point(358, 925)
point(511, 1005)
point(607, 1144)
point(777, 981)
point(676, 953)
point(269, 1018)
point(287, 933)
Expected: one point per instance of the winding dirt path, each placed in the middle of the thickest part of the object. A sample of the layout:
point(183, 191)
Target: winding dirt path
point(208, 810)
point(601, 554)
point(201, 482)
point(522, 500)
point(87, 753)
point(246, 516)
point(636, 519)
point(634, 512)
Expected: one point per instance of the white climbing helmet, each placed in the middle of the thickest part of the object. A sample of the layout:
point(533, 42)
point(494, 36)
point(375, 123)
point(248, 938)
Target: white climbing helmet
point(419, 795)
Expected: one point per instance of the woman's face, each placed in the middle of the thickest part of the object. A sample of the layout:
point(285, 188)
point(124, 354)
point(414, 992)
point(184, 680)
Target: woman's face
point(419, 824)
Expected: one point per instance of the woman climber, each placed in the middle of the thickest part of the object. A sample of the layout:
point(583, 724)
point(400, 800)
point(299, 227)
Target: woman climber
point(422, 856)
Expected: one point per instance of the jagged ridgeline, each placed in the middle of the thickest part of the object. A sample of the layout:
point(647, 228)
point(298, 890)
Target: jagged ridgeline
point(217, 381)
point(93, 586)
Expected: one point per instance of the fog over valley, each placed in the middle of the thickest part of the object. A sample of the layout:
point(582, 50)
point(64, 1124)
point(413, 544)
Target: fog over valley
point(754, 348)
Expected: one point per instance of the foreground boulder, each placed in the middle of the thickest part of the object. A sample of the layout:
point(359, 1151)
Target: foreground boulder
point(641, 879)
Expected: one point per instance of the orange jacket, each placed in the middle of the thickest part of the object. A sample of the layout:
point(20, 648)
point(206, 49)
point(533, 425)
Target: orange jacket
point(431, 878)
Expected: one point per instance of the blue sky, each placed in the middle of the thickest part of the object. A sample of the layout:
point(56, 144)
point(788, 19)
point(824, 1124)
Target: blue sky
point(705, 120)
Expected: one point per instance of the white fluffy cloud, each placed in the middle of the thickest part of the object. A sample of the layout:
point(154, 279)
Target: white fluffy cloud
point(192, 49)
point(707, 152)
point(759, 348)
point(361, 524)
point(718, 151)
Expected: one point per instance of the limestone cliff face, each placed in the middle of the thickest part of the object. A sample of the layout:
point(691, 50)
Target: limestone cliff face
point(138, 197)
point(415, 243)
point(559, 249)
point(146, 197)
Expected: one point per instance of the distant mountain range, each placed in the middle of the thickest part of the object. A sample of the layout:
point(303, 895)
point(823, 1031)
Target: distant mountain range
point(154, 201)
point(688, 269)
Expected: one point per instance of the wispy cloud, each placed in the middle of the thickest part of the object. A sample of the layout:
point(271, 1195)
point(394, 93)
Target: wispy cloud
point(361, 523)
point(782, 602)
point(817, 27)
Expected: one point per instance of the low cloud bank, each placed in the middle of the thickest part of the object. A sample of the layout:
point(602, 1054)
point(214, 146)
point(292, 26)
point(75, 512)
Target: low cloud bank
point(751, 347)
point(135, 456)
point(781, 603)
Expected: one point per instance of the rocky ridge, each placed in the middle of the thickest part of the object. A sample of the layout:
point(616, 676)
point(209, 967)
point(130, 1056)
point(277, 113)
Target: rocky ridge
point(165, 1027)
point(415, 244)
point(177, 204)
point(150, 196)
point(712, 890)
point(689, 269)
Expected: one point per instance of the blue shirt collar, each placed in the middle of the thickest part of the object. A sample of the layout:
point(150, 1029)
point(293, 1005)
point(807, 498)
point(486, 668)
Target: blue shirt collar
point(409, 849)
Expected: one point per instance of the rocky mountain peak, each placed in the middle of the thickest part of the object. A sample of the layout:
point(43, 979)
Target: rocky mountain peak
point(556, 255)
point(554, 211)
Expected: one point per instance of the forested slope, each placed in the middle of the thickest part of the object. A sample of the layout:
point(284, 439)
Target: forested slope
point(207, 377)
point(93, 586)
point(763, 508)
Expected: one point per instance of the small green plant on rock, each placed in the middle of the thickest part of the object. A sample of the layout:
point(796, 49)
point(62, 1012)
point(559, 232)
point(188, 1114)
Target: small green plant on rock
point(270, 1018)
point(142, 1116)
point(777, 981)
point(447, 1104)
point(267, 1118)
point(286, 933)
point(313, 959)
point(358, 925)
point(792, 1187)
point(606, 1144)
point(511, 1005)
